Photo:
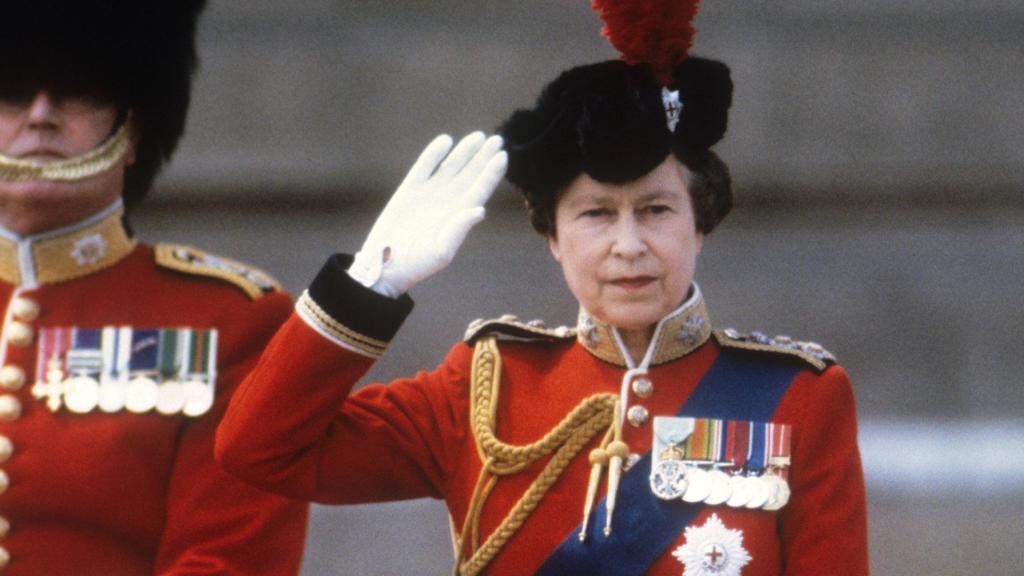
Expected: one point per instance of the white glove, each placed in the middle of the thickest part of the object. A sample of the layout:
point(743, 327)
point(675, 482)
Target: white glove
point(425, 222)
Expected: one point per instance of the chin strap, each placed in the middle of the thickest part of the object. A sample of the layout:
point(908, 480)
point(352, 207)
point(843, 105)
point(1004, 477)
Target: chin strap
point(93, 162)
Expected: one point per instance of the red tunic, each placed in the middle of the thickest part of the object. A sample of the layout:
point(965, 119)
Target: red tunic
point(126, 493)
point(295, 429)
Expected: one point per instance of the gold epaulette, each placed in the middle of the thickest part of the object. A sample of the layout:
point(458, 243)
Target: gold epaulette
point(809, 352)
point(253, 281)
point(510, 327)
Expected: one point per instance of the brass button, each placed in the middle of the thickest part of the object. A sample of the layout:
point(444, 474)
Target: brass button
point(19, 334)
point(643, 387)
point(25, 309)
point(5, 557)
point(5, 527)
point(637, 415)
point(12, 377)
point(5, 481)
point(6, 448)
point(10, 408)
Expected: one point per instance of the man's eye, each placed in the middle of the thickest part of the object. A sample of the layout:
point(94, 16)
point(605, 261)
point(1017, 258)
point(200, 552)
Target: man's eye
point(657, 209)
point(595, 213)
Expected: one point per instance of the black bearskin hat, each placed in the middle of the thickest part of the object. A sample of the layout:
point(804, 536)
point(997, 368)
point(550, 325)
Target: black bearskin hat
point(138, 54)
point(608, 120)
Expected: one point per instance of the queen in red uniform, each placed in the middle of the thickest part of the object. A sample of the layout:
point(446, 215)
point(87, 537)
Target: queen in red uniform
point(641, 441)
point(117, 358)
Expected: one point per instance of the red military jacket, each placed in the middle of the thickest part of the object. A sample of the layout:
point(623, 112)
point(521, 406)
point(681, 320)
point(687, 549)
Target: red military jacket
point(295, 429)
point(117, 479)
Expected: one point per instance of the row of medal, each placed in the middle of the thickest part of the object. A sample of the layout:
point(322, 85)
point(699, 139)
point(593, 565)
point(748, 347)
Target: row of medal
point(170, 371)
point(736, 463)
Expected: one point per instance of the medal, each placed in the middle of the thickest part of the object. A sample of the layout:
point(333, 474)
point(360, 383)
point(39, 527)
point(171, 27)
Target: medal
point(700, 450)
point(780, 492)
point(198, 399)
point(739, 496)
point(141, 395)
point(668, 478)
point(758, 492)
point(699, 485)
point(81, 394)
point(170, 398)
point(111, 396)
point(84, 363)
point(772, 481)
point(778, 464)
point(117, 353)
point(198, 372)
point(721, 489)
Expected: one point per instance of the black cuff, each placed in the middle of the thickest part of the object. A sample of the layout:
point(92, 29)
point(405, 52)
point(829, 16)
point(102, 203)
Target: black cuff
point(355, 306)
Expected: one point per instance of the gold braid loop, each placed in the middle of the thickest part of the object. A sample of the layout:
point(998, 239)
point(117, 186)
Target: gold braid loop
point(566, 440)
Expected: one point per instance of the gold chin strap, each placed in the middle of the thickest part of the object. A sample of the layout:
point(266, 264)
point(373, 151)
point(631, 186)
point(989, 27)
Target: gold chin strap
point(93, 162)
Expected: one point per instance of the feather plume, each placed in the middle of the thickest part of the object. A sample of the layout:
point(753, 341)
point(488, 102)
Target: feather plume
point(658, 33)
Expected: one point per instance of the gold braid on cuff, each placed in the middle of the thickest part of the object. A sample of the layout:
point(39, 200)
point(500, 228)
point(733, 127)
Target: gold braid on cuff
point(93, 162)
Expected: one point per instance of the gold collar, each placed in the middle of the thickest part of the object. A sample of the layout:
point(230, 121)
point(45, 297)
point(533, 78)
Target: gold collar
point(66, 253)
point(680, 332)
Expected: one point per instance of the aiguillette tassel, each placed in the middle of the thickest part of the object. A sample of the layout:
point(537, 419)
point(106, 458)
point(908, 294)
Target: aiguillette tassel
point(619, 451)
point(598, 459)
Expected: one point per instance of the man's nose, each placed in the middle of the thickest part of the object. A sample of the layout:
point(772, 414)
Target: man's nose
point(42, 110)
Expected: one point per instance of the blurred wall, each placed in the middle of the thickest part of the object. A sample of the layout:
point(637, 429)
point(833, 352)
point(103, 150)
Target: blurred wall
point(878, 154)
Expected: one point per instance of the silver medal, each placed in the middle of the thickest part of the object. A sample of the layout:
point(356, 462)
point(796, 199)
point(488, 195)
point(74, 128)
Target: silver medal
point(739, 496)
point(699, 484)
point(81, 393)
point(198, 398)
point(758, 492)
point(668, 479)
point(170, 398)
point(140, 395)
point(721, 489)
point(112, 395)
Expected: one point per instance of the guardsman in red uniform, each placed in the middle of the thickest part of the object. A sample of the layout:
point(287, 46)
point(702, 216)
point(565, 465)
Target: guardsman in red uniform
point(117, 358)
point(641, 441)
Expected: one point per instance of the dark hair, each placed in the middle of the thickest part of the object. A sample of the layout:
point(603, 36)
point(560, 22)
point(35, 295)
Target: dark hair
point(608, 120)
point(137, 54)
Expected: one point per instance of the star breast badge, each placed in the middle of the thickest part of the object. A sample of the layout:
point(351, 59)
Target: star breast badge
point(712, 550)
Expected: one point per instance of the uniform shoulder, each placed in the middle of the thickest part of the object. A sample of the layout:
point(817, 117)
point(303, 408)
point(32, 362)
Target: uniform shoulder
point(809, 352)
point(509, 327)
point(253, 281)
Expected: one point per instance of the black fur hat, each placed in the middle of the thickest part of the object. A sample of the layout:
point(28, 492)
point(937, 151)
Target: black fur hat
point(138, 54)
point(608, 120)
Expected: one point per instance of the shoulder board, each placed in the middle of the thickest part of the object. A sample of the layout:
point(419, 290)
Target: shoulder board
point(809, 352)
point(253, 281)
point(510, 327)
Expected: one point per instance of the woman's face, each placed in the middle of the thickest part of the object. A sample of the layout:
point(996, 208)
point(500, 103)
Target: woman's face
point(629, 250)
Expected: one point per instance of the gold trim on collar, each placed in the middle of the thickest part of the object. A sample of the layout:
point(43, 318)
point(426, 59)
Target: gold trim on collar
point(681, 332)
point(65, 255)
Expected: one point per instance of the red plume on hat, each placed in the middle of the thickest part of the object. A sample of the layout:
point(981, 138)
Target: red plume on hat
point(658, 33)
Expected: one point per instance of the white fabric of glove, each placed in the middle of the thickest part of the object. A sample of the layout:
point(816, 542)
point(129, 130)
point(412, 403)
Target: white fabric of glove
point(428, 217)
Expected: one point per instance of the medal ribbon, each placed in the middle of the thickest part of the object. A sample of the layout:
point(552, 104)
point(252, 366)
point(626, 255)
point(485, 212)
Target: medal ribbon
point(85, 356)
point(144, 353)
point(758, 458)
point(739, 387)
point(52, 342)
point(779, 438)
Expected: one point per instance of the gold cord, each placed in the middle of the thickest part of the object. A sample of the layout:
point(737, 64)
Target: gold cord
point(566, 440)
point(93, 162)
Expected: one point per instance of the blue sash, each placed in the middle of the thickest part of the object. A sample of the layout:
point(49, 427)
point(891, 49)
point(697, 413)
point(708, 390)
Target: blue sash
point(738, 386)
